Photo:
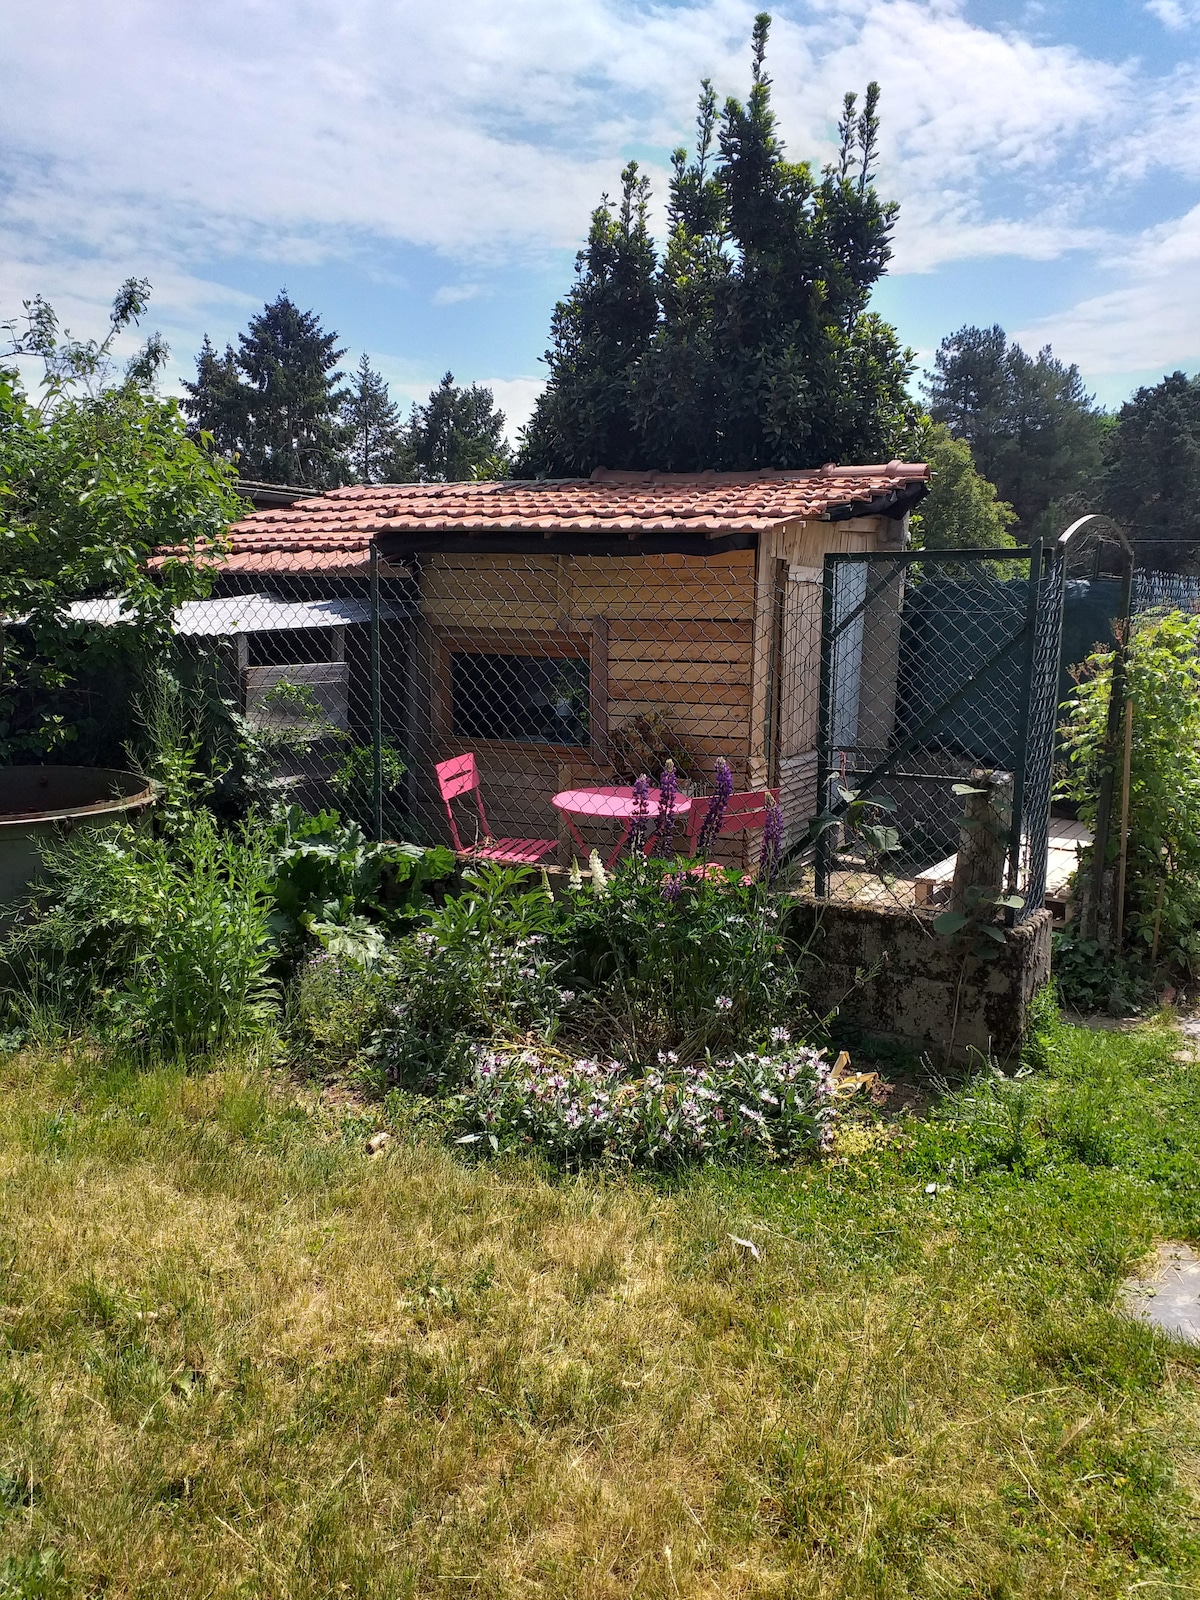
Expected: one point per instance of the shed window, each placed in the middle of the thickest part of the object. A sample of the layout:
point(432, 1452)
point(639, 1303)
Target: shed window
point(525, 699)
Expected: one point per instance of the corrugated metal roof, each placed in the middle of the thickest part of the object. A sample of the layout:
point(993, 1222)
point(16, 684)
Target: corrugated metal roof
point(243, 613)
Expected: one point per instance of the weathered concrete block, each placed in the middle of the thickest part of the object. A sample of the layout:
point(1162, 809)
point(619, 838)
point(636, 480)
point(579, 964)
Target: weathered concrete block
point(887, 972)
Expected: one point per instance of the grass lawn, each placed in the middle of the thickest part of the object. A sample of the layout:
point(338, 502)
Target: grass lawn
point(243, 1356)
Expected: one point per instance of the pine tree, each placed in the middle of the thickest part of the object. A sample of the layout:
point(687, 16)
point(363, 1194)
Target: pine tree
point(1151, 480)
point(750, 343)
point(217, 403)
point(275, 401)
point(1033, 429)
point(373, 422)
point(458, 434)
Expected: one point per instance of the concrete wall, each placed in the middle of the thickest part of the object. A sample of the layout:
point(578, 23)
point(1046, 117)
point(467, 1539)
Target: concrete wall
point(888, 973)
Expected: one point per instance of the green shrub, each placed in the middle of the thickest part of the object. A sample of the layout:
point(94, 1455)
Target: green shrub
point(333, 884)
point(690, 957)
point(336, 1008)
point(485, 964)
point(166, 944)
point(1163, 682)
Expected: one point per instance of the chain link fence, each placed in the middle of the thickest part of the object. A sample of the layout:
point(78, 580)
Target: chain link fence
point(559, 674)
point(900, 705)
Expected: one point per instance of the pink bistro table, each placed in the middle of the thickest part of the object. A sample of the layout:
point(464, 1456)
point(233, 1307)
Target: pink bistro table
point(611, 805)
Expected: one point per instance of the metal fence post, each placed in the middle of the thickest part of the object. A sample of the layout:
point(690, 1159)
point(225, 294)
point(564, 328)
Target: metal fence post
point(824, 721)
point(376, 701)
point(1021, 743)
point(1095, 925)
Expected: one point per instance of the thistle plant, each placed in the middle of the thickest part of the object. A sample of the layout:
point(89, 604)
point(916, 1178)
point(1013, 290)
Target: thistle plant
point(710, 828)
point(663, 839)
point(639, 827)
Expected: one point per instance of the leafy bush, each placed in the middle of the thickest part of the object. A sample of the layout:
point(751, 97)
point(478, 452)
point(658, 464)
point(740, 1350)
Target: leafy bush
point(776, 1106)
point(1163, 682)
point(94, 477)
point(1090, 980)
point(353, 781)
point(654, 958)
point(334, 884)
point(336, 1008)
point(687, 957)
point(166, 944)
point(484, 965)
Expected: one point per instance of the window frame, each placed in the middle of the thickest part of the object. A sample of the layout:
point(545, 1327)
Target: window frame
point(588, 642)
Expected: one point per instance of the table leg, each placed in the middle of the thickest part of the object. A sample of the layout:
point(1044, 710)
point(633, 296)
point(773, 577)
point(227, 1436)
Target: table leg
point(621, 843)
point(575, 834)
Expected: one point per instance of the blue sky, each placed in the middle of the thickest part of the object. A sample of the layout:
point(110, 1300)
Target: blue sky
point(422, 174)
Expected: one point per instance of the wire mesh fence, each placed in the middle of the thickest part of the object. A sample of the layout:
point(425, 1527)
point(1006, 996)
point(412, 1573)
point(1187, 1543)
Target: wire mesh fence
point(874, 691)
point(561, 676)
point(928, 674)
point(900, 706)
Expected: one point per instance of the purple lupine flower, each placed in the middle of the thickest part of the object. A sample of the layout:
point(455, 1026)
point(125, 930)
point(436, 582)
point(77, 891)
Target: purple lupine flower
point(771, 853)
point(639, 827)
point(710, 828)
point(663, 840)
point(672, 886)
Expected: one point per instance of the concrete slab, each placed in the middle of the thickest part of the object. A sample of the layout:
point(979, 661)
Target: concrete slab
point(1167, 1294)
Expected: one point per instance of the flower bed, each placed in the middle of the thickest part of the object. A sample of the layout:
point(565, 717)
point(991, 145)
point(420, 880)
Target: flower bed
point(776, 1106)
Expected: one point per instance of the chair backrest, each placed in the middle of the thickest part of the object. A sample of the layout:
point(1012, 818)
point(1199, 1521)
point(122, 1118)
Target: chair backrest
point(743, 813)
point(458, 776)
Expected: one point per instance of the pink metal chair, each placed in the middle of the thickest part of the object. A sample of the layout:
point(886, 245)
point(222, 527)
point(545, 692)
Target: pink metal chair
point(745, 813)
point(461, 776)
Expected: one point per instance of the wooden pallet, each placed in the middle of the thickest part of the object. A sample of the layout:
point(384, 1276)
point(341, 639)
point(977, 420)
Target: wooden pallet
point(1067, 839)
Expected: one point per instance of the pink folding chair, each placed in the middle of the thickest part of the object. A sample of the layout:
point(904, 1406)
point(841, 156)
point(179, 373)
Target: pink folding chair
point(461, 776)
point(745, 813)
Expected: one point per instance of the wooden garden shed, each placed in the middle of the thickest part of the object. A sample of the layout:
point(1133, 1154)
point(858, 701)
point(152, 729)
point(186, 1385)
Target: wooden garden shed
point(533, 622)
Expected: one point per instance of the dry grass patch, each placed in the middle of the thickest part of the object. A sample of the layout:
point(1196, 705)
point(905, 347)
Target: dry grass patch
point(245, 1357)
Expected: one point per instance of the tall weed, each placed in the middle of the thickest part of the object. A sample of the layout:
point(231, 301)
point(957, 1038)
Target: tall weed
point(165, 945)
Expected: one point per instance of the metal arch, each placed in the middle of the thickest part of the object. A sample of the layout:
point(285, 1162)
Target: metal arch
point(1067, 538)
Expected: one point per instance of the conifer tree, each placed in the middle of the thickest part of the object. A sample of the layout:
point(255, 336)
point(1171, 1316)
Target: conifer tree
point(750, 343)
point(217, 403)
point(1151, 479)
point(1033, 430)
point(276, 400)
point(373, 422)
point(458, 434)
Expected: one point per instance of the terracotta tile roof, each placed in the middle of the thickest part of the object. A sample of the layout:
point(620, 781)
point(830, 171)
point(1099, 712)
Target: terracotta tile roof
point(335, 530)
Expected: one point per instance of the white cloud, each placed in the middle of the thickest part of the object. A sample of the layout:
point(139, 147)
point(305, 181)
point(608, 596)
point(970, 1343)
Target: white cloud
point(1150, 320)
point(516, 397)
point(142, 137)
point(299, 131)
point(1174, 14)
point(453, 294)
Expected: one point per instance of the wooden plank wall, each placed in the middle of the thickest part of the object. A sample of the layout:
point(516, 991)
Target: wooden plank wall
point(697, 639)
point(677, 637)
